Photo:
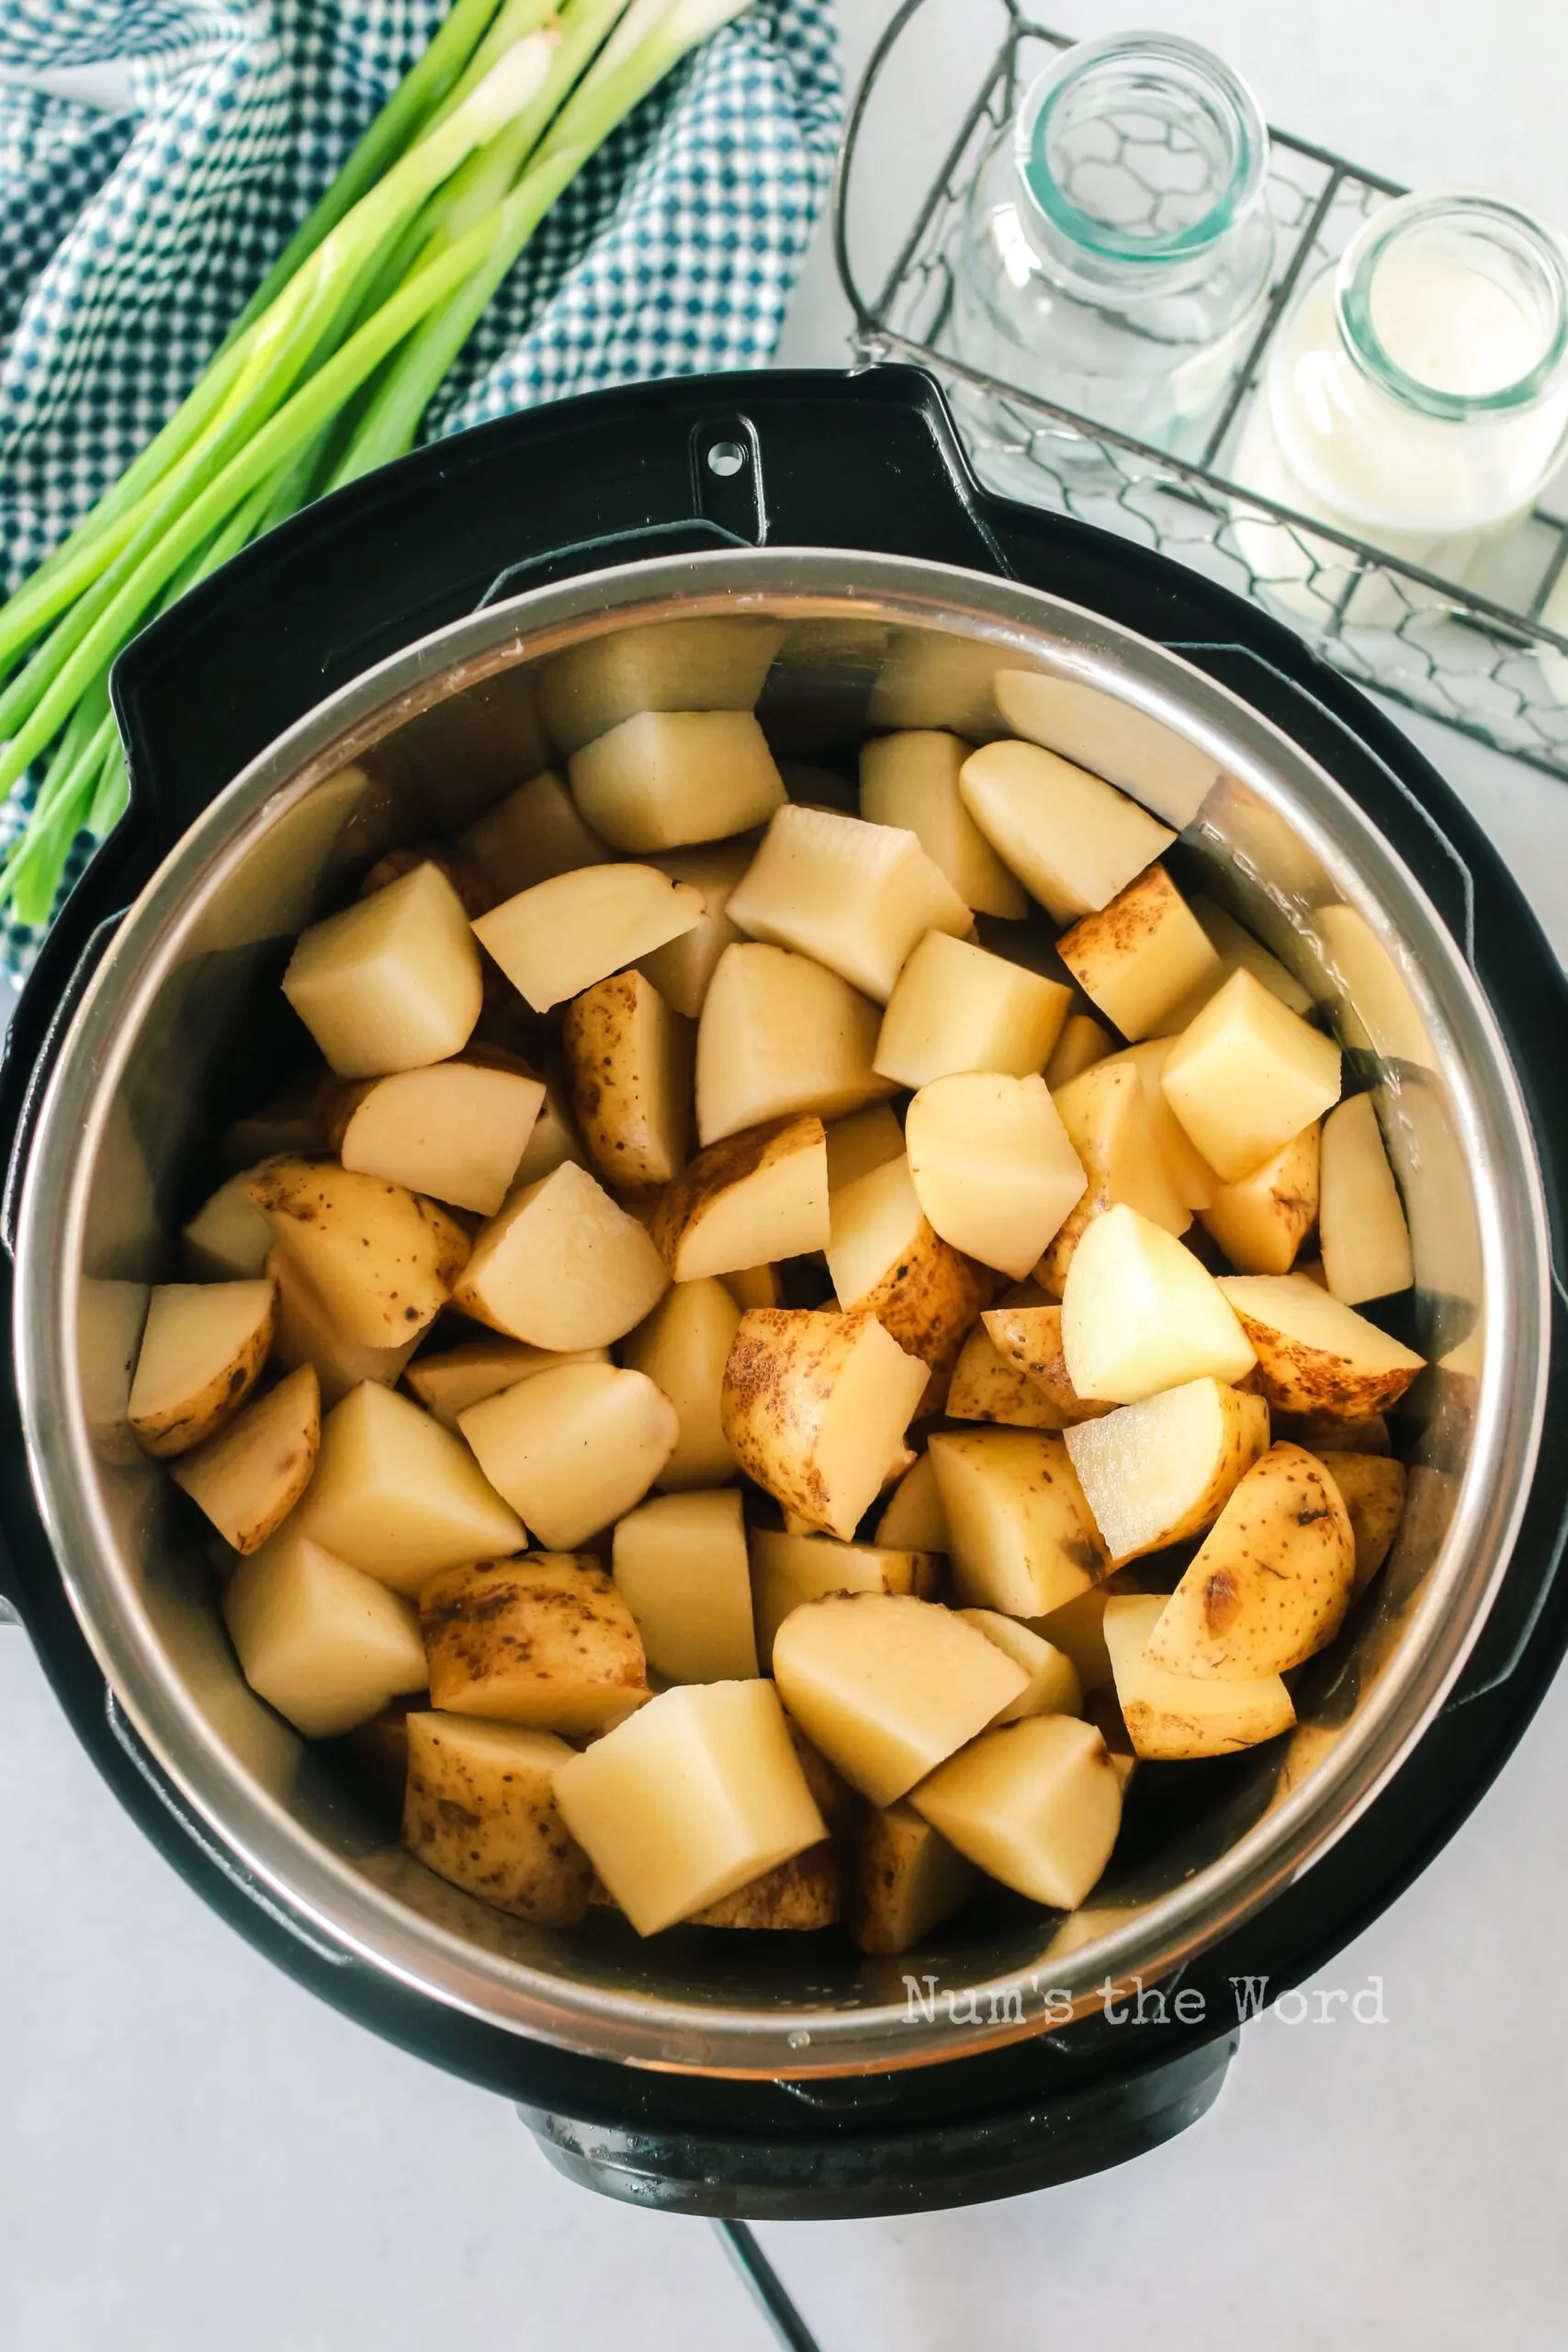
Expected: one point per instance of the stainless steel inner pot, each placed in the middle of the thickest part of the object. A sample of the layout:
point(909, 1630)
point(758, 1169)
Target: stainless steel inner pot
point(415, 748)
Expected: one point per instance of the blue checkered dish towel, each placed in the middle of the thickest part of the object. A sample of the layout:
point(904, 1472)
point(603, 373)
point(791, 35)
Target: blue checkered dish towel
point(134, 229)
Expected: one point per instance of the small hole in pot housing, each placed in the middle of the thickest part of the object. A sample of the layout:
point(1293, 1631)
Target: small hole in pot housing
point(725, 457)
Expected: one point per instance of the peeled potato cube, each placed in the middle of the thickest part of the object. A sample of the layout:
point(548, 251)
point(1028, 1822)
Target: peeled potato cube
point(747, 1200)
point(854, 897)
point(1176, 1716)
point(400, 1497)
point(907, 1880)
point(682, 969)
point(683, 1348)
point(543, 1640)
point(631, 1059)
point(779, 1034)
point(229, 1240)
point(911, 780)
point(533, 834)
point(884, 1255)
point(815, 1408)
point(1316, 1354)
point(1272, 1583)
point(711, 664)
point(914, 1520)
point(562, 1267)
point(1036, 1804)
point(1082, 1042)
point(1234, 949)
point(1160, 1471)
point(1261, 1220)
point(571, 1449)
point(986, 1386)
point(381, 1260)
point(993, 1165)
point(248, 1479)
point(1052, 1688)
point(866, 1140)
point(559, 937)
point(1023, 1537)
point(788, 1570)
point(446, 1385)
point(752, 1286)
point(1366, 1242)
point(1029, 1339)
point(1191, 1179)
point(321, 1641)
point(662, 778)
point(552, 1139)
point(1072, 840)
point(1371, 1489)
point(1140, 1314)
point(887, 1686)
point(1077, 1629)
point(681, 1566)
point(956, 1007)
point(392, 982)
point(698, 1793)
point(307, 1334)
point(454, 1130)
point(202, 1347)
point(1247, 1075)
point(480, 1810)
point(1110, 1127)
point(1141, 954)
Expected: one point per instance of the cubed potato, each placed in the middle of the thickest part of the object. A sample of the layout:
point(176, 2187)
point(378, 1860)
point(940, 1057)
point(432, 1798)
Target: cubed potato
point(571, 1449)
point(887, 1686)
point(914, 1520)
point(1371, 1489)
point(663, 778)
point(790, 1570)
point(1077, 1629)
point(865, 1140)
point(381, 1260)
point(392, 982)
point(795, 1896)
point(559, 937)
point(455, 1130)
point(752, 1286)
point(683, 1348)
point(1369, 1434)
point(307, 1334)
point(1029, 1339)
point(746, 1201)
point(1101, 1710)
point(1316, 1354)
point(533, 834)
point(479, 1811)
point(1105, 1111)
point(993, 1165)
point(815, 1408)
point(631, 1059)
point(884, 1255)
point(1365, 1240)
point(681, 1566)
point(1158, 1472)
point(1140, 1314)
point(711, 664)
point(987, 1386)
point(905, 1880)
point(321, 1641)
point(1036, 1804)
point(1247, 1075)
point(1072, 840)
point(957, 1007)
point(229, 1240)
point(248, 1479)
point(543, 1640)
point(1140, 956)
point(1261, 1220)
point(1192, 1179)
point(911, 780)
point(1022, 1539)
point(1236, 949)
point(400, 1497)
point(854, 897)
point(471, 884)
point(682, 969)
point(1272, 1583)
point(448, 1384)
point(1174, 1715)
point(779, 1035)
point(1052, 1688)
point(552, 1139)
point(698, 1794)
point(203, 1345)
point(562, 1267)
point(1082, 1042)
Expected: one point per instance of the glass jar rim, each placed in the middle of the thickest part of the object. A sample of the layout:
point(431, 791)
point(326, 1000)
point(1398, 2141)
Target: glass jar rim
point(1358, 267)
point(1202, 68)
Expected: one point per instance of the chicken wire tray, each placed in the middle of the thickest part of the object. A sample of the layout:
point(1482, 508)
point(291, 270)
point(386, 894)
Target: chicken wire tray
point(1479, 656)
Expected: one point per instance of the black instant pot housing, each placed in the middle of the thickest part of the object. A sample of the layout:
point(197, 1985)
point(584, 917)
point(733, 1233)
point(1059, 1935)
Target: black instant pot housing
point(862, 461)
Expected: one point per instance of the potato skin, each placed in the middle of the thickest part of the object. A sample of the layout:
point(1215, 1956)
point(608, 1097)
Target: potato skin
point(777, 1382)
point(412, 1252)
point(286, 1422)
point(1298, 1378)
point(1371, 1487)
point(803, 1893)
point(1272, 1582)
point(634, 1120)
point(1031, 1338)
point(492, 1831)
point(929, 1300)
point(682, 1203)
point(210, 1412)
point(543, 1640)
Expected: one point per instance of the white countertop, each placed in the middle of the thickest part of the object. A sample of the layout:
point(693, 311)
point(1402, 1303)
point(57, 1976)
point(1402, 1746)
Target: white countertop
point(195, 2154)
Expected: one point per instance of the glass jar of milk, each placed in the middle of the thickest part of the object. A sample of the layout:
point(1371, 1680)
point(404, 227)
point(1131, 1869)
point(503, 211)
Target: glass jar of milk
point(1415, 398)
point(1116, 251)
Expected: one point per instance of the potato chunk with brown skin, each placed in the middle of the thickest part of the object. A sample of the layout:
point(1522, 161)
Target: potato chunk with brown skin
point(480, 1810)
point(907, 1880)
point(805, 1891)
point(1176, 1715)
point(1262, 1219)
point(986, 1386)
point(306, 1334)
point(1272, 1582)
point(815, 1408)
point(1371, 1489)
point(1030, 1338)
point(543, 1640)
point(631, 1059)
point(381, 1260)
point(1315, 1354)
point(1158, 1472)
point(202, 1347)
point(884, 1256)
point(1139, 957)
point(746, 1201)
point(249, 1477)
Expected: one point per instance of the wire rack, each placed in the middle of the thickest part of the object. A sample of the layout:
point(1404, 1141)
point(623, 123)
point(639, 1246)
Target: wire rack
point(1478, 656)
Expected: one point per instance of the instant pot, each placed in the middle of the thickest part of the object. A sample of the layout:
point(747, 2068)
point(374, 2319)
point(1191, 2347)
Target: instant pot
point(368, 675)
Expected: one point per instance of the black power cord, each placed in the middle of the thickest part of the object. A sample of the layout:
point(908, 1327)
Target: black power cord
point(766, 2287)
